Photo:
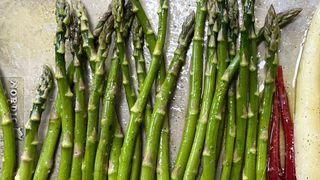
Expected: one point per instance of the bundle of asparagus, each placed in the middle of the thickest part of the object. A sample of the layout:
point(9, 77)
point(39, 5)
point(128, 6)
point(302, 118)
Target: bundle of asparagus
point(94, 147)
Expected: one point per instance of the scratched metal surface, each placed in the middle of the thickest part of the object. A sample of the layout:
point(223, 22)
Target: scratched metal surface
point(26, 43)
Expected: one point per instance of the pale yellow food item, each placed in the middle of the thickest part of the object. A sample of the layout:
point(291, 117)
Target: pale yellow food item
point(307, 112)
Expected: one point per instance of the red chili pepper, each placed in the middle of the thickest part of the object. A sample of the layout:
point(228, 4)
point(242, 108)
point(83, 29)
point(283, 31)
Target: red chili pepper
point(274, 167)
point(289, 169)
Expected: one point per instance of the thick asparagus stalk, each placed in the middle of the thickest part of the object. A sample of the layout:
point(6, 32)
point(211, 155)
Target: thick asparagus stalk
point(209, 87)
point(139, 106)
point(88, 38)
point(28, 161)
point(107, 121)
point(272, 36)
point(284, 18)
point(162, 99)
point(194, 92)
point(46, 160)
point(80, 100)
point(242, 89)
point(9, 138)
point(62, 16)
point(253, 108)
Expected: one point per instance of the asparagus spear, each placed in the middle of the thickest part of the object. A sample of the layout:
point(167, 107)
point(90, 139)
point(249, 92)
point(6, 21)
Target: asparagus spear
point(80, 100)
point(194, 93)
point(107, 120)
point(152, 144)
point(272, 36)
point(102, 20)
point(115, 151)
point(284, 18)
point(28, 161)
point(94, 100)
point(242, 95)
point(141, 74)
point(139, 106)
point(9, 142)
point(108, 111)
point(62, 16)
point(209, 86)
point(230, 133)
point(231, 110)
point(88, 38)
point(45, 162)
point(208, 154)
point(253, 108)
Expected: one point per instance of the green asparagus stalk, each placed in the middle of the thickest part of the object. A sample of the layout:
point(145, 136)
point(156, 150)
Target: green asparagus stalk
point(194, 93)
point(102, 20)
point(28, 156)
point(139, 106)
point(88, 38)
point(253, 109)
point(162, 99)
point(215, 116)
point(80, 100)
point(50, 144)
point(242, 90)
point(107, 121)
point(231, 110)
point(141, 75)
point(63, 18)
point(209, 87)
point(115, 151)
point(9, 138)
point(284, 18)
point(272, 36)
point(94, 100)
point(138, 37)
point(230, 133)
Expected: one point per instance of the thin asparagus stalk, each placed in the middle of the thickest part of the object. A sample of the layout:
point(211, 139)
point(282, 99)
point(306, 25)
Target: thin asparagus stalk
point(9, 138)
point(194, 93)
point(284, 18)
point(141, 75)
point(242, 90)
point(223, 60)
point(162, 167)
point(253, 109)
point(107, 121)
point(80, 101)
point(88, 38)
point(28, 156)
point(94, 101)
point(272, 36)
point(102, 20)
point(233, 13)
point(115, 151)
point(138, 37)
point(208, 154)
point(62, 16)
point(50, 144)
point(230, 133)
point(139, 106)
point(209, 87)
point(162, 99)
